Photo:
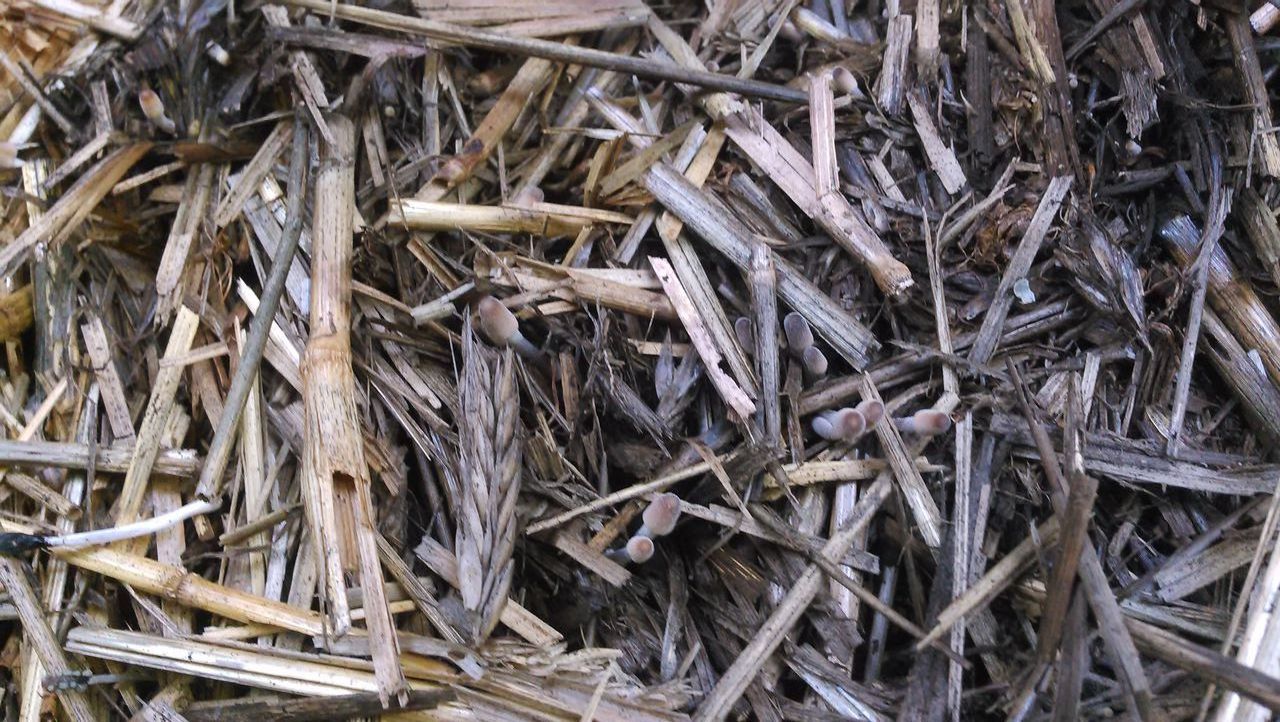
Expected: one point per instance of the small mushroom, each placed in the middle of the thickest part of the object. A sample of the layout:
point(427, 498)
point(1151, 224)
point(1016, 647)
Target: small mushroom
point(872, 411)
point(660, 516)
point(843, 424)
point(153, 108)
point(500, 326)
point(815, 363)
point(925, 422)
point(639, 549)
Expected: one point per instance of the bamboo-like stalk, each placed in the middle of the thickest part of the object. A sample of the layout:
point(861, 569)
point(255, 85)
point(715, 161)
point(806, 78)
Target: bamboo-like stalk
point(335, 476)
point(542, 219)
point(72, 455)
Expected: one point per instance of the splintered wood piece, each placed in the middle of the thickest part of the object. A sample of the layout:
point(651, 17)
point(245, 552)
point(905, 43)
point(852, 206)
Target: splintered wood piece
point(708, 218)
point(923, 508)
point(74, 206)
point(891, 84)
point(183, 233)
point(335, 476)
point(151, 433)
point(993, 323)
point(940, 155)
point(730, 392)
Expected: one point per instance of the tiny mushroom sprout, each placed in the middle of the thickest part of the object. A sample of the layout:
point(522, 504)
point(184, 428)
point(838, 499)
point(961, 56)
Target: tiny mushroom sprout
point(154, 110)
point(660, 516)
point(843, 424)
point(500, 326)
point(639, 549)
point(925, 422)
point(800, 342)
point(872, 411)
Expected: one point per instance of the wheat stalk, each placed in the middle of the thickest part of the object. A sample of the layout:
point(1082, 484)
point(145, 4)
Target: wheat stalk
point(490, 456)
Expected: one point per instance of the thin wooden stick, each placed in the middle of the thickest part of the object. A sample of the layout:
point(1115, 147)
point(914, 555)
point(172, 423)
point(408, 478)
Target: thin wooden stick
point(989, 335)
point(1101, 599)
point(224, 436)
point(474, 38)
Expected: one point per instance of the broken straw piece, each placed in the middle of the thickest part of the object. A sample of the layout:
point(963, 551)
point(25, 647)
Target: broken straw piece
point(639, 549)
point(660, 516)
point(500, 326)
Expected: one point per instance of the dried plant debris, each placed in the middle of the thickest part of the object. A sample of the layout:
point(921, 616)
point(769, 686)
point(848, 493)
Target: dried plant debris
point(621, 360)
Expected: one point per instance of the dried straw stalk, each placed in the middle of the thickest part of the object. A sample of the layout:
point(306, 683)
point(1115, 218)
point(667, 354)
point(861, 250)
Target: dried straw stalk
point(335, 475)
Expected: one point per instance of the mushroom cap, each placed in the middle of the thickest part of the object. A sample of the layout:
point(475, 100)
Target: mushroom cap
point(661, 515)
point(852, 424)
point(151, 105)
point(815, 361)
point(497, 322)
point(930, 423)
point(872, 411)
point(799, 335)
point(640, 549)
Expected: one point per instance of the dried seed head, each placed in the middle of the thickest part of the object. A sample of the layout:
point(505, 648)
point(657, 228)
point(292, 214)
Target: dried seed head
point(640, 549)
point(742, 329)
point(799, 336)
point(925, 422)
point(497, 322)
point(815, 362)
point(872, 411)
point(660, 516)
